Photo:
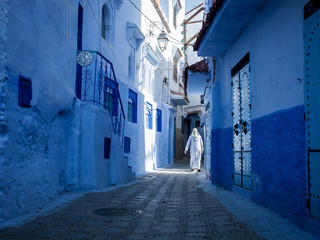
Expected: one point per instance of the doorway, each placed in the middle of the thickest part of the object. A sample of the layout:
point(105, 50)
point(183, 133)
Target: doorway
point(312, 108)
point(207, 159)
point(242, 174)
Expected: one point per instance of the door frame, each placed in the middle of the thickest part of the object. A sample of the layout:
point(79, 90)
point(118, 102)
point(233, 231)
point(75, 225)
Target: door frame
point(311, 13)
point(243, 63)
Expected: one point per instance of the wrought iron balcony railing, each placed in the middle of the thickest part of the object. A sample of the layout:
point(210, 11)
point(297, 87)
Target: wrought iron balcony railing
point(99, 85)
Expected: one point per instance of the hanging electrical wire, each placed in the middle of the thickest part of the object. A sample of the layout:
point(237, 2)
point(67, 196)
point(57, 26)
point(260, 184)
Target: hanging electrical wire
point(177, 41)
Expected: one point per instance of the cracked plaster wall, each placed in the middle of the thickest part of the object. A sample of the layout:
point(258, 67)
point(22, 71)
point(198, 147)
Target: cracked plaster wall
point(34, 141)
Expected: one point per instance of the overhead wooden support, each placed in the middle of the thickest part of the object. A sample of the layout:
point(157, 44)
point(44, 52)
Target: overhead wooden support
point(200, 21)
point(195, 14)
point(196, 35)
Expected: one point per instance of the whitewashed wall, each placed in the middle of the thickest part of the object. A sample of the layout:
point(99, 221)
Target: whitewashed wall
point(281, 73)
point(57, 144)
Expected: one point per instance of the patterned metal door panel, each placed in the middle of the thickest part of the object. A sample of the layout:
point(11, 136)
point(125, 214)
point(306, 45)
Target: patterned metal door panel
point(236, 114)
point(312, 53)
point(245, 108)
point(237, 168)
point(312, 109)
point(313, 117)
point(208, 140)
point(246, 170)
point(246, 129)
point(242, 128)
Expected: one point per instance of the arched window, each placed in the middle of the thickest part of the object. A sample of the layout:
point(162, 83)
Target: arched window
point(159, 120)
point(132, 107)
point(106, 22)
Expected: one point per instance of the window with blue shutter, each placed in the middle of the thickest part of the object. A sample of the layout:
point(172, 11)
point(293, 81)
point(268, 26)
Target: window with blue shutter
point(108, 99)
point(159, 120)
point(107, 147)
point(132, 106)
point(25, 92)
point(126, 144)
point(111, 97)
point(149, 115)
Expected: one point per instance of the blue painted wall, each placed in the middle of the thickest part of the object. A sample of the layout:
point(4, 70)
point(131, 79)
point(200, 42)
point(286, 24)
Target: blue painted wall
point(278, 127)
point(221, 157)
point(279, 163)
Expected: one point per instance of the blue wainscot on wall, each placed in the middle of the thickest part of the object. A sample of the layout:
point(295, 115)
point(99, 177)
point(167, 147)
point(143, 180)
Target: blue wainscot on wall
point(222, 157)
point(279, 163)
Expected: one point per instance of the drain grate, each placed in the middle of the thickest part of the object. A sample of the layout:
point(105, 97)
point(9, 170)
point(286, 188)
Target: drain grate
point(114, 212)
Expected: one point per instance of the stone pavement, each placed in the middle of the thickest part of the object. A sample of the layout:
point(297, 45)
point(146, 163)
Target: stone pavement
point(165, 204)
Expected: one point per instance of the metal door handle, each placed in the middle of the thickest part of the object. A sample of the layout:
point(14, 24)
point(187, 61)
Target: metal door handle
point(244, 127)
point(235, 128)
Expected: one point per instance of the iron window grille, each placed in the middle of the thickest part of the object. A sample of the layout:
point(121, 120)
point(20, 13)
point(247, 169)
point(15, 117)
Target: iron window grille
point(99, 86)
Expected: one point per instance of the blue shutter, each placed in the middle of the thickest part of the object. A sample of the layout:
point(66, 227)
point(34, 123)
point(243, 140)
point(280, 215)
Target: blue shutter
point(107, 147)
point(134, 97)
point(25, 92)
point(159, 120)
point(126, 144)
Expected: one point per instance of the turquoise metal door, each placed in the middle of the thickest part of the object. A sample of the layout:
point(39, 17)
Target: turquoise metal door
point(207, 141)
point(174, 138)
point(312, 109)
point(242, 128)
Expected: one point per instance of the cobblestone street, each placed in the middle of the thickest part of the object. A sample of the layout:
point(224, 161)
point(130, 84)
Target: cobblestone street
point(165, 204)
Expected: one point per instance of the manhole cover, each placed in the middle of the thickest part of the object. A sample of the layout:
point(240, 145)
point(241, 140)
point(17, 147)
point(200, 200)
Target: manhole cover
point(113, 212)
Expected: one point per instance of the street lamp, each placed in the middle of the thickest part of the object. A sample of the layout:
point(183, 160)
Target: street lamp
point(162, 41)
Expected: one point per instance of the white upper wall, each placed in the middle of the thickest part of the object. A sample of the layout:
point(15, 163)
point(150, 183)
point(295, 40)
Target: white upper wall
point(194, 99)
point(152, 32)
point(275, 43)
point(193, 29)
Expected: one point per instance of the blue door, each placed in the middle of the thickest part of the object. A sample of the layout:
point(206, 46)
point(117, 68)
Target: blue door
point(312, 109)
point(242, 128)
point(174, 138)
point(207, 142)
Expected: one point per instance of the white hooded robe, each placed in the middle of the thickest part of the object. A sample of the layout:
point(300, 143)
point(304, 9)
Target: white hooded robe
point(196, 147)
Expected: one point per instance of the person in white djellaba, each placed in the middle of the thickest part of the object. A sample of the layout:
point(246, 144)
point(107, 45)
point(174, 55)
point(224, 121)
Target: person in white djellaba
point(196, 149)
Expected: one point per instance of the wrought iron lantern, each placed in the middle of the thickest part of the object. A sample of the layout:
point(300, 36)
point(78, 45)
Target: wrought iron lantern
point(162, 41)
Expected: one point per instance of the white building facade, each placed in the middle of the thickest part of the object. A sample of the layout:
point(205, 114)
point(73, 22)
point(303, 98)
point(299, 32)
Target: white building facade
point(66, 126)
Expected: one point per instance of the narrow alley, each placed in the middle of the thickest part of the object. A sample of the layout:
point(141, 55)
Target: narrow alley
point(102, 101)
point(171, 203)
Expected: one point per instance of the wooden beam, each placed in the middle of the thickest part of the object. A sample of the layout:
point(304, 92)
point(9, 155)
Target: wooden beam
point(200, 21)
point(195, 14)
point(192, 38)
point(184, 33)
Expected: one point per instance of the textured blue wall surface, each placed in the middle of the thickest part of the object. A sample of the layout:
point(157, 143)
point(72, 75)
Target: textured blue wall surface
point(279, 163)
point(222, 157)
